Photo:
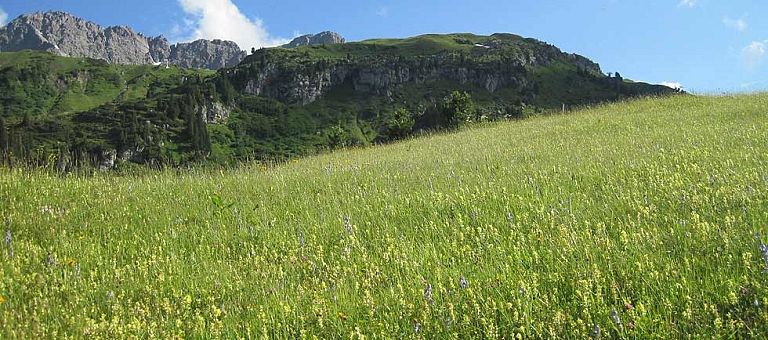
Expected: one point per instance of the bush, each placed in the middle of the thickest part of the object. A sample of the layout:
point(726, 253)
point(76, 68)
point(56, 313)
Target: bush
point(398, 125)
point(338, 137)
point(458, 108)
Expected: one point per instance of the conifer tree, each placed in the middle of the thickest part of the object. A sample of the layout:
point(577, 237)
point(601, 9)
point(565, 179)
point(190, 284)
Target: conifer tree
point(3, 136)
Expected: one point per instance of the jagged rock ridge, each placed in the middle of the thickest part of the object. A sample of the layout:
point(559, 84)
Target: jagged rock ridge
point(323, 38)
point(66, 35)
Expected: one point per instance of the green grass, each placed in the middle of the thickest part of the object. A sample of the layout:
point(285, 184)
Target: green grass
point(423, 45)
point(42, 83)
point(646, 208)
point(416, 46)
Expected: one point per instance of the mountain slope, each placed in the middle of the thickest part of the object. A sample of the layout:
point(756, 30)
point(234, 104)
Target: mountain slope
point(83, 111)
point(352, 91)
point(501, 65)
point(282, 103)
point(624, 220)
point(66, 35)
point(37, 83)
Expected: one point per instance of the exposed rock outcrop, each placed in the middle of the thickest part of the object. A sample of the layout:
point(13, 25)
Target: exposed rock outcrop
point(501, 61)
point(210, 54)
point(66, 35)
point(159, 48)
point(308, 84)
point(323, 38)
point(214, 112)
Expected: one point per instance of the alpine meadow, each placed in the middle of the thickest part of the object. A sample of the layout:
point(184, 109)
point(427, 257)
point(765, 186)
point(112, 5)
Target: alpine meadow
point(639, 219)
point(200, 169)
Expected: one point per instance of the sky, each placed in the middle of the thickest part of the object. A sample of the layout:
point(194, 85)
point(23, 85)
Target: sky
point(705, 46)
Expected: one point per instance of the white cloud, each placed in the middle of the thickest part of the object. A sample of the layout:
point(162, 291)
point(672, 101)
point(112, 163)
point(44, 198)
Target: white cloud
point(737, 24)
point(673, 85)
point(221, 19)
point(688, 3)
point(754, 53)
point(748, 85)
point(382, 12)
point(3, 17)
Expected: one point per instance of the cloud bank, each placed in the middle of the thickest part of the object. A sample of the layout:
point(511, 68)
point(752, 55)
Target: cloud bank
point(673, 85)
point(222, 19)
point(3, 17)
point(737, 24)
point(689, 3)
point(382, 12)
point(754, 53)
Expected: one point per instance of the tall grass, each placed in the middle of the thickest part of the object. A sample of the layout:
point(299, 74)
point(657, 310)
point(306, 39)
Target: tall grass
point(640, 219)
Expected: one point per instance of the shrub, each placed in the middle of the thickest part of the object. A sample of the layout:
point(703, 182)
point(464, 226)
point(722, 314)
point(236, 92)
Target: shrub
point(398, 125)
point(458, 108)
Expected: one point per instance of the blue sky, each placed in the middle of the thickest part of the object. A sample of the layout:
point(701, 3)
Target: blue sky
point(708, 46)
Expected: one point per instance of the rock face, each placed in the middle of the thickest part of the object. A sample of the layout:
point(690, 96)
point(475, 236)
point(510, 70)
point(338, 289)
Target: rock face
point(159, 49)
point(323, 38)
point(306, 87)
point(210, 54)
point(303, 82)
point(214, 112)
point(66, 35)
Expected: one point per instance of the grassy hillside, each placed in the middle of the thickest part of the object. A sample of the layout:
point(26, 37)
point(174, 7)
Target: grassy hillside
point(70, 111)
point(638, 219)
point(39, 83)
point(422, 45)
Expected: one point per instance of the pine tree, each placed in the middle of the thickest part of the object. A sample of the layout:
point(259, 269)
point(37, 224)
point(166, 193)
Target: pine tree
point(27, 122)
point(3, 136)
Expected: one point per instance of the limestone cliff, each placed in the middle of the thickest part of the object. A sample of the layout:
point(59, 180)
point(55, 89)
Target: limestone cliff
point(323, 38)
point(501, 62)
point(66, 35)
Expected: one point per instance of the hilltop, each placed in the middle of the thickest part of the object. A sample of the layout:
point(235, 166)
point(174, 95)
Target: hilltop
point(322, 38)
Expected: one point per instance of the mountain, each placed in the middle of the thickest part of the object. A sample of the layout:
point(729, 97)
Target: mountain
point(66, 35)
point(499, 68)
point(207, 54)
point(323, 38)
point(280, 103)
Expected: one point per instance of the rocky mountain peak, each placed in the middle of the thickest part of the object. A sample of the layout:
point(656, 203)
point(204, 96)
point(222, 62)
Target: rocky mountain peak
point(322, 38)
point(64, 34)
point(210, 54)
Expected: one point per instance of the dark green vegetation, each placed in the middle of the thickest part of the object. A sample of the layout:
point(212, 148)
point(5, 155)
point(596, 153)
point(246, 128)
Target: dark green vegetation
point(79, 109)
point(281, 103)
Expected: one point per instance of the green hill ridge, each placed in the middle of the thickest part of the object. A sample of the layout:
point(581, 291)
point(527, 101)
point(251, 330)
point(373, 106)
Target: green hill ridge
point(282, 103)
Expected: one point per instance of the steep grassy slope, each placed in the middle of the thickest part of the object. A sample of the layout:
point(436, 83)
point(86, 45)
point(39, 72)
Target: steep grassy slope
point(631, 220)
